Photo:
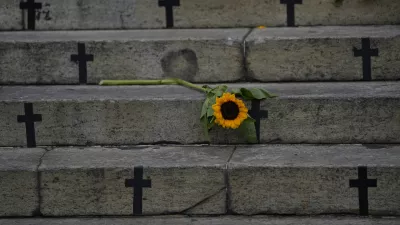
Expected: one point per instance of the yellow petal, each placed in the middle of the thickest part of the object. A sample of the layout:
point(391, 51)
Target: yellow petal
point(216, 108)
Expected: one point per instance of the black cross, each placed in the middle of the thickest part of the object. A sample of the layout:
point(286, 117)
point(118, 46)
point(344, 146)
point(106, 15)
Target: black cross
point(363, 183)
point(169, 13)
point(82, 58)
point(29, 119)
point(31, 6)
point(138, 184)
point(366, 52)
point(257, 114)
point(290, 10)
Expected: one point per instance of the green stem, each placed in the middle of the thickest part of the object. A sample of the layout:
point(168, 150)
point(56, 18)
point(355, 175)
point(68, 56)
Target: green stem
point(137, 82)
point(189, 85)
point(153, 82)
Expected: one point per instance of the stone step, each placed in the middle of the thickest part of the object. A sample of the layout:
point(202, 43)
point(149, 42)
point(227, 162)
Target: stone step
point(125, 14)
point(324, 53)
point(19, 195)
point(206, 55)
point(194, 55)
point(201, 180)
point(229, 220)
point(352, 112)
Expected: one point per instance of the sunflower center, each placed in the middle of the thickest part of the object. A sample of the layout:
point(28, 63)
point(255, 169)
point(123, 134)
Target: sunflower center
point(229, 110)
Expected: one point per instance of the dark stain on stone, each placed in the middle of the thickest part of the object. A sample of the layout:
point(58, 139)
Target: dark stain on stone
point(96, 173)
point(35, 212)
point(181, 64)
point(121, 174)
point(275, 141)
point(338, 3)
point(374, 146)
point(128, 147)
point(56, 179)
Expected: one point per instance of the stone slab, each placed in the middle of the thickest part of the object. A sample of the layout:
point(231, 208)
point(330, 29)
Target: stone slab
point(307, 179)
point(193, 55)
point(228, 220)
point(19, 181)
point(321, 53)
point(127, 14)
point(91, 181)
point(351, 112)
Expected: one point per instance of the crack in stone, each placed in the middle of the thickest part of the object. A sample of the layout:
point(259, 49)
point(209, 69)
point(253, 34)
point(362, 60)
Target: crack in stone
point(202, 201)
point(37, 211)
point(228, 201)
point(244, 56)
point(230, 157)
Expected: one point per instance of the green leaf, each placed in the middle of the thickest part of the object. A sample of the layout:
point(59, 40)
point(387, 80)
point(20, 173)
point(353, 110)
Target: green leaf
point(219, 90)
point(269, 94)
point(204, 121)
point(258, 93)
point(206, 87)
point(254, 93)
point(211, 123)
point(211, 102)
point(218, 93)
point(246, 94)
point(204, 108)
point(248, 129)
point(236, 92)
point(250, 118)
point(223, 88)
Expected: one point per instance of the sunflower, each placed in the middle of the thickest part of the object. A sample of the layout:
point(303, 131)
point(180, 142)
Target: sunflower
point(229, 111)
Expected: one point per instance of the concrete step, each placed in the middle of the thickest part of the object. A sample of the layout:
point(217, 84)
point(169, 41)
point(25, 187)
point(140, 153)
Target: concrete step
point(125, 14)
point(353, 112)
point(216, 55)
point(231, 220)
point(304, 113)
point(201, 180)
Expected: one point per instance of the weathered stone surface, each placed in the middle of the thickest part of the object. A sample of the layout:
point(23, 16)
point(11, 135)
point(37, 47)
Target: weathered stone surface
point(273, 54)
point(303, 113)
point(321, 53)
point(230, 220)
point(193, 55)
point(10, 15)
point(340, 12)
point(18, 181)
point(92, 181)
point(125, 14)
point(306, 179)
point(94, 14)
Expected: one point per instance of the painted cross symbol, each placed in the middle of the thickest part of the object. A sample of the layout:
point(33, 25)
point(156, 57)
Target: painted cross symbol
point(82, 58)
point(290, 10)
point(363, 183)
point(366, 52)
point(257, 114)
point(31, 6)
point(138, 184)
point(169, 13)
point(29, 119)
